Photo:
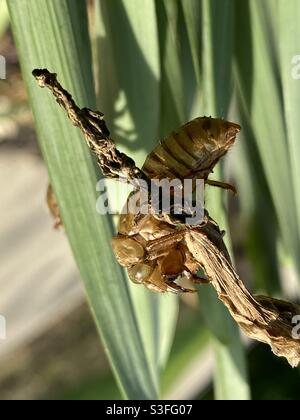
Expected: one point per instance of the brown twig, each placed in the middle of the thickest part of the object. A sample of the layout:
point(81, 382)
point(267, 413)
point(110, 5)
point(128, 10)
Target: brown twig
point(113, 163)
point(262, 318)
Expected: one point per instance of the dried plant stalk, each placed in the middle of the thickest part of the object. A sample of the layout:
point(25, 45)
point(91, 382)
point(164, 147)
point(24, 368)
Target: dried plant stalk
point(113, 163)
point(262, 318)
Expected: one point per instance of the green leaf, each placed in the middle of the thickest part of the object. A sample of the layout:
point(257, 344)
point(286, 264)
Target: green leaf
point(256, 76)
point(173, 106)
point(192, 15)
point(191, 345)
point(128, 72)
point(4, 17)
point(289, 48)
point(217, 36)
point(256, 206)
point(54, 34)
point(129, 78)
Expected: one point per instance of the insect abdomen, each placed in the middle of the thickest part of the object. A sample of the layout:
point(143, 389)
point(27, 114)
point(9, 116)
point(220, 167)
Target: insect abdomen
point(194, 147)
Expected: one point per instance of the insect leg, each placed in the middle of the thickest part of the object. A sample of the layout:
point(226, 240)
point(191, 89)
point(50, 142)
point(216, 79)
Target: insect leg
point(172, 286)
point(199, 280)
point(161, 246)
point(220, 184)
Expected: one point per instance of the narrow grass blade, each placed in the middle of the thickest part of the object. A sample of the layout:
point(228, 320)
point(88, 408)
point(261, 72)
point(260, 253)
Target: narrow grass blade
point(189, 352)
point(256, 206)
point(4, 17)
point(192, 16)
point(256, 76)
point(54, 34)
point(289, 49)
point(173, 107)
point(217, 36)
point(128, 72)
point(129, 77)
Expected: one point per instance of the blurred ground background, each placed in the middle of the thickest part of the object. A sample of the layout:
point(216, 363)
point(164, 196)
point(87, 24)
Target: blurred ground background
point(52, 349)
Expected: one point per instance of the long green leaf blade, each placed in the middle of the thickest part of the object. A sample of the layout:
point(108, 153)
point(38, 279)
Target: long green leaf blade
point(217, 36)
point(4, 17)
point(54, 35)
point(173, 109)
point(289, 47)
point(192, 15)
point(265, 113)
point(129, 79)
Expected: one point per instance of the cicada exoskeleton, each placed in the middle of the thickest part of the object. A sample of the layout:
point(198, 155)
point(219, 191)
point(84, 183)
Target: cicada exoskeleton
point(157, 250)
point(154, 250)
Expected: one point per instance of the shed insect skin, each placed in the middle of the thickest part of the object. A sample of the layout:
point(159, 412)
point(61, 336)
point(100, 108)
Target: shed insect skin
point(263, 318)
point(192, 151)
point(151, 247)
point(154, 249)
